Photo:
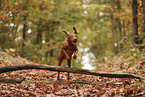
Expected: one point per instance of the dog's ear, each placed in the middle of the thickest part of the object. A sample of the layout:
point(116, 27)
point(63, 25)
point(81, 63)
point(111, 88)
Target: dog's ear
point(66, 33)
point(75, 31)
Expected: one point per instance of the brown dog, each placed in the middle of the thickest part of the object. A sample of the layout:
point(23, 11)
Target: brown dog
point(67, 49)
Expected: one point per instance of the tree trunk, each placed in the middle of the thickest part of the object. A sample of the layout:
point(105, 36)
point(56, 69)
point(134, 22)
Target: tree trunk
point(24, 29)
point(114, 28)
point(135, 20)
point(24, 26)
point(39, 28)
point(0, 4)
point(24, 35)
point(39, 33)
point(67, 69)
point(119, 24)
point(143, 11)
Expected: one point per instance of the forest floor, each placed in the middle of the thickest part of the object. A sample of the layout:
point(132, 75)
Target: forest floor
point(43, 83)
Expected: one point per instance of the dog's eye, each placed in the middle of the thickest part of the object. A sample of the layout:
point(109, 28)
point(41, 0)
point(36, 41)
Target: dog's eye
point(71, 36)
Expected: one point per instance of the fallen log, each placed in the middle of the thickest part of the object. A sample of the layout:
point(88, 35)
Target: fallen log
point(68, 69)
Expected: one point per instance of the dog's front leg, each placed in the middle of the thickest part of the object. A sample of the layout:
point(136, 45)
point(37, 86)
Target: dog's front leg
point(68, 58)
point(75, 54)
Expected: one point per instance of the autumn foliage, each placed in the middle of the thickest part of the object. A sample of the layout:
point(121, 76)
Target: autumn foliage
point(31, 32)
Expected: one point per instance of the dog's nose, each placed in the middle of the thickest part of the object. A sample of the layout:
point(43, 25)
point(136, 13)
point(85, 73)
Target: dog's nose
point(75, 38)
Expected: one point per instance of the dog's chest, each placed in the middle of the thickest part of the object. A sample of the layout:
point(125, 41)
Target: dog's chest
point(71, 48)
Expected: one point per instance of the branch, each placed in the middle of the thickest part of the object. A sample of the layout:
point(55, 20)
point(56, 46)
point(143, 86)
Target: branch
point(68, 69)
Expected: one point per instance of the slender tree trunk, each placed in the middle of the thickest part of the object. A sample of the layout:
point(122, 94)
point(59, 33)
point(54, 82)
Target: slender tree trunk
point(24, 31)
point(49, 54)
point(0, 4)
point(114, 28)
point(119, 24)
point(39, 29)
point(24, 35)
point(25, 24)
point(14, 30)
point(143, 11)
point(1, 28)
point(39, 33)
point(135, 20)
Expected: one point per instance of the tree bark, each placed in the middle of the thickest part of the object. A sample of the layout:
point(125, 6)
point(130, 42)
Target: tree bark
point(24, 35)
point(24, 30)
point(39, 33)
point(39, 28)
point(67, 69)
point(135, 20)
point(118, 4)
point(143, 11)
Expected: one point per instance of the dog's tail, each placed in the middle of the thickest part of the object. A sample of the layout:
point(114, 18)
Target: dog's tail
point(75, 31)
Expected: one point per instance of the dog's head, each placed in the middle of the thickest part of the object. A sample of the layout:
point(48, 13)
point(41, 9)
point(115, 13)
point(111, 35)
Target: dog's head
point(72, 38)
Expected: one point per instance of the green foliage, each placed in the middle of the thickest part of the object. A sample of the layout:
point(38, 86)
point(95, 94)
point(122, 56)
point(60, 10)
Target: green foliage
point(46, 19)
point(130, 60)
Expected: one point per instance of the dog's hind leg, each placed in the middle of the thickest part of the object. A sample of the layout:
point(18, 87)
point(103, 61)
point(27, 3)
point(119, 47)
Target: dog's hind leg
point(69, 65)
point(59, 64)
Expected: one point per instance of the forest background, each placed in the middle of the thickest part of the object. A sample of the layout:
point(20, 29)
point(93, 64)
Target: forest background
point(33, 29)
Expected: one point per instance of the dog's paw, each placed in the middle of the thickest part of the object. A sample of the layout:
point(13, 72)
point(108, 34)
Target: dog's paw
point(74, 57)
point(68, 58)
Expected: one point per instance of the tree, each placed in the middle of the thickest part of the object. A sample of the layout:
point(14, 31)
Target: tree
point(114, 22)
point(46, 19)
point(143, 11)
point(25, 15)
point(135, 20)
point(118, 4)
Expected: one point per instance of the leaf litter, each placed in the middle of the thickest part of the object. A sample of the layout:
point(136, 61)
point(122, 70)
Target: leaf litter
point(43, 83)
